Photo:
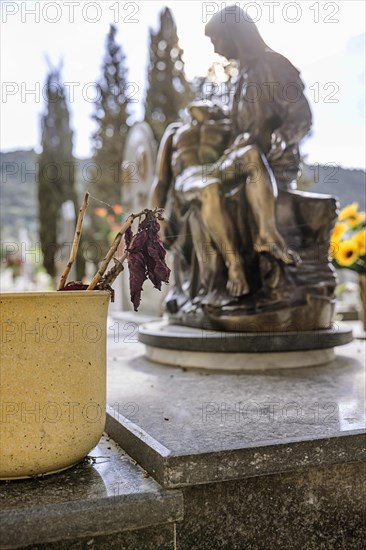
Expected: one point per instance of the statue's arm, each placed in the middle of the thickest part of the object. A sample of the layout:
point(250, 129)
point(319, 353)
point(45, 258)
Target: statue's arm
point(163, 174)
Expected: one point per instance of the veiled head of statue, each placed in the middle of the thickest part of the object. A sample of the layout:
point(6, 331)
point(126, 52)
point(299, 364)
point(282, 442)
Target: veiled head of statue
point(234, 34)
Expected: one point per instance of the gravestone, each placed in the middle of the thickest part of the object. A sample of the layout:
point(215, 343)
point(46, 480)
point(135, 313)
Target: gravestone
point(65, 235)
point(138, 171)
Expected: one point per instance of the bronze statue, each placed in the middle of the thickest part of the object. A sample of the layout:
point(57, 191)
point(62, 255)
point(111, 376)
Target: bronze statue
point(233, 234)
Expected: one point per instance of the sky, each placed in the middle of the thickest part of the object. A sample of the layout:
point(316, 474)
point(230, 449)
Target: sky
point(324, 40)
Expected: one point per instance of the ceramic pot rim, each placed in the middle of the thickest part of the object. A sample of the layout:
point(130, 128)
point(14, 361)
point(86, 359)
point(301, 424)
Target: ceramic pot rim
point(54, 293)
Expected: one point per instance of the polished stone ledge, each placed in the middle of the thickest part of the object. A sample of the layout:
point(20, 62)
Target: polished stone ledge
point(190, 427)
point(107, 493)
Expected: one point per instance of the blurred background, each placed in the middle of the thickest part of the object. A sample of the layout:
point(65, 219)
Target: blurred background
point(89, 87)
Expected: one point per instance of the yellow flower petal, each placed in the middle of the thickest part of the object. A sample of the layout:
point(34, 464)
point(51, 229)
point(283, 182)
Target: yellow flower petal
point(338, 231)
point(348, 211)
point(360, 239)
point(347, 253)
point(357, 219)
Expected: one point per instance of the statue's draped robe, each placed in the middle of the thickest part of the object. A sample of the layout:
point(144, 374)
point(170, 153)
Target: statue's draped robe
point(268, 96)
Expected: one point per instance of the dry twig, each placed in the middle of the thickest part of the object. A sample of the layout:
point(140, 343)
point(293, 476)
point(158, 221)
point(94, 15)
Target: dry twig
point(75, 244)
point(112, 274)
point(99, 275)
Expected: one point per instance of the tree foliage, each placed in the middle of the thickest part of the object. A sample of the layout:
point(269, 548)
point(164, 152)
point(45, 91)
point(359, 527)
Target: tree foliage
point(55, 167)
point(111, 114)
point(168, 90)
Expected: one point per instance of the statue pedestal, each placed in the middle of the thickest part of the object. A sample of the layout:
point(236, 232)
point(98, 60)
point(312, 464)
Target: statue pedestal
point(182, 346)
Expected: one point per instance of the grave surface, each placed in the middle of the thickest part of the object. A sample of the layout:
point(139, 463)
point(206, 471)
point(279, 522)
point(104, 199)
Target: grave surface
point(260, 458)
point(190, 427)
point(106, 494)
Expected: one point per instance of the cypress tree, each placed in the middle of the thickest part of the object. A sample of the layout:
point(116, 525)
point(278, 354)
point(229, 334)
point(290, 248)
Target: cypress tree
point(55, 167)
point(111, 116)
point(168, 90)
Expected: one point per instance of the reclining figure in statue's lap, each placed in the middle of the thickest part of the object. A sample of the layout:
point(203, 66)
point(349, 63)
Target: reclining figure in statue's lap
point(203, 171)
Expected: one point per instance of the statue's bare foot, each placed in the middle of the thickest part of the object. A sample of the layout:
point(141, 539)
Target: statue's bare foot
point(279, 250)
point(292, 257)
point(237, 284)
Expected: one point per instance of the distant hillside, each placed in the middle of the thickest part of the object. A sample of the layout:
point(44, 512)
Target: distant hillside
point(348, 185)
point(18, 193)
point(19, 203)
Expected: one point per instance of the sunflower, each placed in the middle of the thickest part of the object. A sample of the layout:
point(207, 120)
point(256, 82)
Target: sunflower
point(351, 215)
point(347, 253)
point(357, 219)
point(338, 231)
point(348, 211)
point(360, 239)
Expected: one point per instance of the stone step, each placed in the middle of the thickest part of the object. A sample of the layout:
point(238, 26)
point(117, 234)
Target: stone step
point(107, 497)
point(189, 427)
point(263, 459)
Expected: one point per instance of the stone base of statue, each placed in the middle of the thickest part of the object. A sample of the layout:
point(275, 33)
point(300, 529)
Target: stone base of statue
point(180, 346)
point(283, 297)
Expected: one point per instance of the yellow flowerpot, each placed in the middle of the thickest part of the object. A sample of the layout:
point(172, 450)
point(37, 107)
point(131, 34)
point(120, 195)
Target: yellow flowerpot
point(53, 379)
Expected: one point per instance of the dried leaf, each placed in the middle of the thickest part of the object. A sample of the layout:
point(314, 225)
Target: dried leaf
point(137, 267)
point(158, 271)
point(128, 237)
point(74, 285)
